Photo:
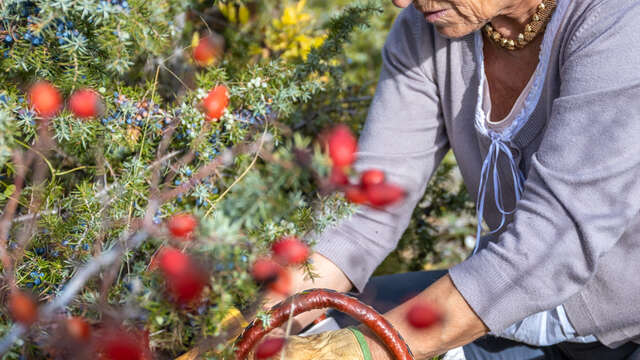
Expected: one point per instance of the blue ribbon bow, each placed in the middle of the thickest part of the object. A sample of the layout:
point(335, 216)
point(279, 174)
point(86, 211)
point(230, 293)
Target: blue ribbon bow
point(490, 168)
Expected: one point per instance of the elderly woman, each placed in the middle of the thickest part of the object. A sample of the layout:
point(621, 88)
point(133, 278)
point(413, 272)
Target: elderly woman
point(540, 103)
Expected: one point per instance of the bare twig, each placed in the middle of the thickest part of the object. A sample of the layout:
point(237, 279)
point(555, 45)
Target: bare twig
point(189, 156)
point(9, 211)
point(155, 177)
point(239, 178)
point(288, 331)
point(129, 241)
point(205, 171)
point(43, 146)
point(36, 215)
point(75, 285)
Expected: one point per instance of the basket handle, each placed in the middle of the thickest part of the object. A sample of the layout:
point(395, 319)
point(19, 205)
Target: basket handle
point(321, 299)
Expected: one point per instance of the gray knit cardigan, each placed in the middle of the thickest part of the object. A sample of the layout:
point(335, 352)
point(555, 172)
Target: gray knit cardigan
point(574, 238)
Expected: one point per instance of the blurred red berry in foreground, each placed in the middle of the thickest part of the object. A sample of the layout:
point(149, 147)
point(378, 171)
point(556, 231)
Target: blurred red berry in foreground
point(269, 347)
point(342, 146)
point(185, 281)
point(207, 50)
point(269, 272)
point(384, 194)
point(85, 103)
point(422, 315)
point(188, 286)
point(45, 98)
point(290, 250)
point(172, 261)
point(78, 329)
point(22, 308)
point(215, 102)
point(355, 194)
point(264, 270)
point(338, 177)
point(282, 284)
point(119, 344)
point(182, 225)
point(372, 177)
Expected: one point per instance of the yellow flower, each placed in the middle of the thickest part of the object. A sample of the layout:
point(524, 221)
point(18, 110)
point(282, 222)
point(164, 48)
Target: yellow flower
point(292, 34)
point(289, 17)
point(195, 39)
point(223, 8)
point(243, 14)
point(232, 14)
point(254, 49)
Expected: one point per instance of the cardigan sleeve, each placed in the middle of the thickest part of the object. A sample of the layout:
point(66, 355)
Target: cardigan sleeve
point(583, 187)
point(404, 136)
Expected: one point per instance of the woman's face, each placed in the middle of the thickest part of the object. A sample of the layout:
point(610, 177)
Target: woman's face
point(455, 18)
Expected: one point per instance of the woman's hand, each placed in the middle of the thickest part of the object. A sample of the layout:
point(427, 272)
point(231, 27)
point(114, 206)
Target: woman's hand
point(331, 345)
point(329, 276)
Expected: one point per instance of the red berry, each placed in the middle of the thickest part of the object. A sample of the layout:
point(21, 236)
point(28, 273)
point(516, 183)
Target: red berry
point(215, 102)
point(22, 308)
point(338, 177)
point(207, 51)
point(182, 225)
point(372, 177)
point(422, 315)
point(119, 344)
point(45, 99)
point(282, 284)
point(269, 347)
point(384, 194)
point(78, 329)
point(342, 146)
point(184, 279)
point(85, 103)
point(173, 262)
point(355, 194)
point(264, 270)
point(290, 250)
point(187, 286)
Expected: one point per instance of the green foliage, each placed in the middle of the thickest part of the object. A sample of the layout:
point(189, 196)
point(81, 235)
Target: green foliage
point(84, 42)
point(441, 222)
point(89, 193)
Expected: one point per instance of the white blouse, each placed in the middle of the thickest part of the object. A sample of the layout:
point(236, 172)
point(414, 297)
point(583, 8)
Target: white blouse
point(499, 126)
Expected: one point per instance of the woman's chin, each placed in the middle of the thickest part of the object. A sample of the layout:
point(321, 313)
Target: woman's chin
point(453, 32)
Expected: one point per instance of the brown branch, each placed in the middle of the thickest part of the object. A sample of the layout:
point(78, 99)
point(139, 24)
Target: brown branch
point(155, 177)
point(189, 156)
point(206, 171)
point(8, 213)
point(43, 147)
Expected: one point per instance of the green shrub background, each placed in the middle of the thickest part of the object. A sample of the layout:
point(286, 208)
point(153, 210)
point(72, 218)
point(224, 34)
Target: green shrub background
point(288, 81)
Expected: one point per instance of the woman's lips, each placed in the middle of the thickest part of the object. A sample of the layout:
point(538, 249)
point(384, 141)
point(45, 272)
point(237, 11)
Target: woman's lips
point(432, 16)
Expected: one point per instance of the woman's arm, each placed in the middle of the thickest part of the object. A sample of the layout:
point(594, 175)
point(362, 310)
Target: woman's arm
point(459, 326)
point(404, 136)
point(580, 195)
point(582, 191)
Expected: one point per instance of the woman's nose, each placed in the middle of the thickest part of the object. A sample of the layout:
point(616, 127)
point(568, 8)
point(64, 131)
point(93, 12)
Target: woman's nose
point(402, 3)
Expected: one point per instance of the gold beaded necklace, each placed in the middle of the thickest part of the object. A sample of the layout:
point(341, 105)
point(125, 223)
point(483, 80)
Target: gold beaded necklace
point(531, 30)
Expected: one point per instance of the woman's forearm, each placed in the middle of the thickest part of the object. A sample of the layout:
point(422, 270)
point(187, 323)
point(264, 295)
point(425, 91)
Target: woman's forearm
point(459, 325)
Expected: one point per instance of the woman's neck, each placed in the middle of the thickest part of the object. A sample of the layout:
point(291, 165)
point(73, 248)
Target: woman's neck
point(514, 16)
